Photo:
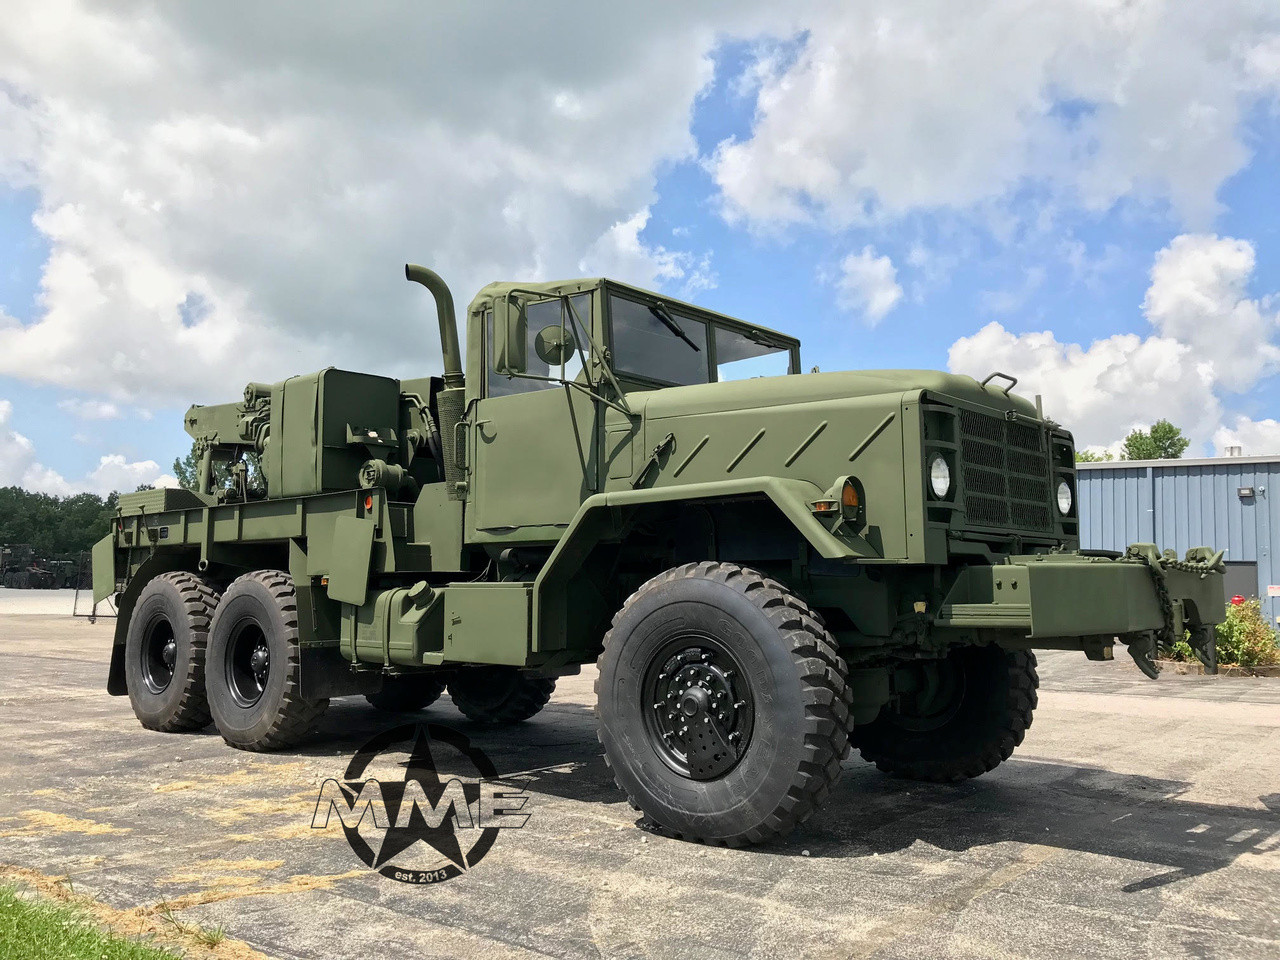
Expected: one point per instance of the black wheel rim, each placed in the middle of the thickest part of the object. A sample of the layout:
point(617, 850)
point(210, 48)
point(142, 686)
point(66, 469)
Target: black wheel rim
point(159, 655)
point(248, 663)
point(698, 707)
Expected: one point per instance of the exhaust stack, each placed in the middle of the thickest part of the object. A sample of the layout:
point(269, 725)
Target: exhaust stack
point(450, 354)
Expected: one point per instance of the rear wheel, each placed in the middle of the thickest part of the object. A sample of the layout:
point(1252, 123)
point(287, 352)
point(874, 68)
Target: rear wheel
point(723, 705)
point(165, 652)
point(406, 694)
point(254, 665)
point(965, 715)
point(499, 694)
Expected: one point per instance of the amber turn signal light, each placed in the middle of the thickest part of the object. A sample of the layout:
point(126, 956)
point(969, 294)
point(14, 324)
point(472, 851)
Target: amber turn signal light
point(849, 498)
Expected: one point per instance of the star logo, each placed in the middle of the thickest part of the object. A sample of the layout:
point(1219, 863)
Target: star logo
point(442, 824)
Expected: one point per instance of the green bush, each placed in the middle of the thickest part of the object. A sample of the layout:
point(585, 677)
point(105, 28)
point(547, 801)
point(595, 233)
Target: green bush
point(1245, 638)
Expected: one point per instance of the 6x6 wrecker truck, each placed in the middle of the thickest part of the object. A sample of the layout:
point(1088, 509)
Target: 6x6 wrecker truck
point(769, 568)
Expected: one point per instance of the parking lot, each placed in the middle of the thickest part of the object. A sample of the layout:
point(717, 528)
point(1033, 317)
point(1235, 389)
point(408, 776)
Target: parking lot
point(1138, 819)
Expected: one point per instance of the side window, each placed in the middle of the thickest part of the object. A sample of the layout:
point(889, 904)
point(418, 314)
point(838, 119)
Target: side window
point(646, 346)
point(738, 357)
point(544, 315)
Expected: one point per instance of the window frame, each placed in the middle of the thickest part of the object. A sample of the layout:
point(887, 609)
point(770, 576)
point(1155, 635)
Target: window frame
point(538, 384)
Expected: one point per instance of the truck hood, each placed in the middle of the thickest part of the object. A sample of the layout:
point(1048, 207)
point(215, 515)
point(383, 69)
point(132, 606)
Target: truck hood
point(809, 387)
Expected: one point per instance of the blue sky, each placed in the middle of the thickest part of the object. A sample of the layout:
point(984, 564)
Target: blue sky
point(1082, 194)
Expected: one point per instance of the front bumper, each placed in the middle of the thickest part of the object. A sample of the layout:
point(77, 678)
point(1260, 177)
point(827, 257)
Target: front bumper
point(1070, 595)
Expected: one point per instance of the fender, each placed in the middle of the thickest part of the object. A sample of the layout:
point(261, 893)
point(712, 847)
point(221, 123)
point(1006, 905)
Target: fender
point(161, 561)
point(604, 516)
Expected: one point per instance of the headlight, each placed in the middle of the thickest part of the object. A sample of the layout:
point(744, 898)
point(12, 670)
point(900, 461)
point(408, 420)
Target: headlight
point(939, 476)
point(1064, 498)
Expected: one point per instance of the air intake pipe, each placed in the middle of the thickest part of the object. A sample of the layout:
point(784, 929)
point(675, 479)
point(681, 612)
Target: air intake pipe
point(449, 352)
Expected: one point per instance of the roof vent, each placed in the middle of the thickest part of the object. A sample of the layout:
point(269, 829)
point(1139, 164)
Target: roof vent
point(1233, 451)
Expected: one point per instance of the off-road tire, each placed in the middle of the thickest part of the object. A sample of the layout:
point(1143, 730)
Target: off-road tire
point(184, 604)
point(265, 601)
point(499, 695)
point(406, 694)
point(990, 723)
point(794, 674)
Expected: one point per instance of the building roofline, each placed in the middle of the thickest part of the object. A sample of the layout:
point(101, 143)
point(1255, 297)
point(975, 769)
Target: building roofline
point(1189, 462)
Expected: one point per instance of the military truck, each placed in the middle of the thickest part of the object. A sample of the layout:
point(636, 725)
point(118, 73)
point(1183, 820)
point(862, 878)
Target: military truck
point(770, 568)
point(21, 568)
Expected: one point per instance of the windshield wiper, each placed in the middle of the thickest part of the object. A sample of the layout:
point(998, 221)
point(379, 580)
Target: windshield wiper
point(660, 312)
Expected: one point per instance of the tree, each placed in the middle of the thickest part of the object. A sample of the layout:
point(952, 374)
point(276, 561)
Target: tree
point(1088, 456)
point(1163, 441)
point(54, 526)
point(187, 470)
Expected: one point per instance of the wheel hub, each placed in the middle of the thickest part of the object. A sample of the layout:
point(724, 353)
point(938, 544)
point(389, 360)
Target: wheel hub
point(701, 713)
point(159, 655)
point(248, 663)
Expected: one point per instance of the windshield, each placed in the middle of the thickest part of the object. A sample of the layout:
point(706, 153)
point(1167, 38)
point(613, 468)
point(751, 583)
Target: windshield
point(646, 345)
point(659, 342)
point(740, 357)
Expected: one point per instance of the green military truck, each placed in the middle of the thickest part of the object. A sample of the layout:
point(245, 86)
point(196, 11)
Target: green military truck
point(768, 567)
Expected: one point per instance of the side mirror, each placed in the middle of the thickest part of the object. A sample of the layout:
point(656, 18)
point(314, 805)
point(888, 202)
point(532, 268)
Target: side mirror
point(510, 336)
point(554, 344)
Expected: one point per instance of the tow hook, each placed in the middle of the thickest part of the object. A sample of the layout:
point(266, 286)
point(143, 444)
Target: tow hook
point(1141, 649)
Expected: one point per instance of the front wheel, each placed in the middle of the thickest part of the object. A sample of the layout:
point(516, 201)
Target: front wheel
point(958, 718)
point(255, 667)
point(723, 705)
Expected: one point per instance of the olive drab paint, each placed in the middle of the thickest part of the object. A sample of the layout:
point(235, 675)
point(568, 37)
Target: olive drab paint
point(590, 437)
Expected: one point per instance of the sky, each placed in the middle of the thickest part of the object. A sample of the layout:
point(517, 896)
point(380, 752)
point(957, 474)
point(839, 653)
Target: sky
point(1080, 193)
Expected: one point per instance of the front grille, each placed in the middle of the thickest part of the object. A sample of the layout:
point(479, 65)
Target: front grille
point(1004, 471)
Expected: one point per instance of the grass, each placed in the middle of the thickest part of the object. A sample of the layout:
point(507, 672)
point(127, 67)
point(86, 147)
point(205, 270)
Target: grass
point(209, 936)
point(33, 929)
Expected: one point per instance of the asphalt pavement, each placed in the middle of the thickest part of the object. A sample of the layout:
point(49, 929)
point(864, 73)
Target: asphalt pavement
point(1138, 820)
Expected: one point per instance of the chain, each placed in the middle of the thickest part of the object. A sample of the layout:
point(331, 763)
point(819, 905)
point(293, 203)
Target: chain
point(1165, 636)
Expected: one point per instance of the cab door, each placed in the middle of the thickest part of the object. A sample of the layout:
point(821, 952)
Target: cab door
point(534, 444)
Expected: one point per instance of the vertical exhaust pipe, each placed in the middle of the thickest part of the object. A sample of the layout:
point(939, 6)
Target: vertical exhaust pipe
point(451, 401)
point(449, 351)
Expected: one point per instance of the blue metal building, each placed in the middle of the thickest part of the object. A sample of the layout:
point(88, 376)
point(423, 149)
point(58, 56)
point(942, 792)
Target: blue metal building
point(1224, 502)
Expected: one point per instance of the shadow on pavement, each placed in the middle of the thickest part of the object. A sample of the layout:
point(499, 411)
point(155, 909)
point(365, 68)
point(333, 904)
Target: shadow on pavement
point(1077, 808)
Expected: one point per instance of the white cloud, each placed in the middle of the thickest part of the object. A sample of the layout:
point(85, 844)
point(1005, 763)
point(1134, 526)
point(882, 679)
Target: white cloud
point(88, 409)
point(230, 198)
point(893, 106)
point(1101, 391)
point(113, 472)
point(1198, 296)
point(20, 467)
point(1209, 339)
point(621, 253)
point(1256, 438)
point(868, 284)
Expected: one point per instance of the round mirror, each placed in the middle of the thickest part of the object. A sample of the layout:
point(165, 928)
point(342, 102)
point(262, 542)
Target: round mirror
point(554, 344)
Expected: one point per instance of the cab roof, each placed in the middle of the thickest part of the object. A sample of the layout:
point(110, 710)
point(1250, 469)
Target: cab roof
point(559, 288)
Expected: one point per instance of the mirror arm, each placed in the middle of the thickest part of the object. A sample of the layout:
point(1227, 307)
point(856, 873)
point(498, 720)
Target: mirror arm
point(626, 411)
point(622, 406)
